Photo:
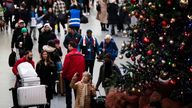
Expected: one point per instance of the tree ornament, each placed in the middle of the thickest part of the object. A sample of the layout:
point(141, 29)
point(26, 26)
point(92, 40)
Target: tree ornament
point(135, 30)
point(136, 14)
point(128, 55)
point(161, 38)
point(153, 7)
point(184, 3)
point(153, 60)
point(164, 23)
point(149, 4)
point(123, 45)
point(163, 61)
point(169, 2)
point(190, 69)
point(146, 40)
point(149, 52)
point(133, 1)
point(189, 16)
point(120, 57)
point(173, 65)
point(125, 33)
point(173, 82)
point(133, 58)
point(171, 42)
point(161, 15)
point(153, 21)
point(172, 20)
point(124, 8)
point(141, 17)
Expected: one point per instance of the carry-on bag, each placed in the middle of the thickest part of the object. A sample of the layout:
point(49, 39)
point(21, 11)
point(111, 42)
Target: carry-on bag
point(60, 85)
point(26, 70)
point(31, 95)
point(30, 81)
point(98, 102)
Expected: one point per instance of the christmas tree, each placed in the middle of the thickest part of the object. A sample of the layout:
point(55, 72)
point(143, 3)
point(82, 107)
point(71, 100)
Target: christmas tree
point(159, 50)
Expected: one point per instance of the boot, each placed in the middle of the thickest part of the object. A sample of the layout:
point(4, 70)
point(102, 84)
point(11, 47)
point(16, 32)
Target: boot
point(102, 27)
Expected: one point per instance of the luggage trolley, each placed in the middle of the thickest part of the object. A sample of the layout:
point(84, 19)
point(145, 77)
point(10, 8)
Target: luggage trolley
point(28, 91)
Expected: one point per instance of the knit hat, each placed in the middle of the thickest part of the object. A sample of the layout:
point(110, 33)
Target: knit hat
point(24, 30)
point(47, 24)
point(21, 21)
point(51, 43)
point(57, 41)
point(89, 30)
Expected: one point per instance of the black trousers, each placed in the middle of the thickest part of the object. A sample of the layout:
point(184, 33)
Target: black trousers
point(68, 93)
point(86, 7)
point(89, 64)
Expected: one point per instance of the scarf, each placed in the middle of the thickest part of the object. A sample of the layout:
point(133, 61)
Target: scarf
point(84, 40)
point(84, 94)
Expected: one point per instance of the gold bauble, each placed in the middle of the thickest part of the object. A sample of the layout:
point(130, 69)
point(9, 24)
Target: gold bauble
point(172, 20)
point(184, 3)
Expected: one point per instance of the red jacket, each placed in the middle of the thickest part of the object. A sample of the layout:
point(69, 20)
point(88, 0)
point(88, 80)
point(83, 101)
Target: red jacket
point(21, 60)
point(74, 62)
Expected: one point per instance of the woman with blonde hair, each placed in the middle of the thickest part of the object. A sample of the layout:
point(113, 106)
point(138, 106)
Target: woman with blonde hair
point(84, 90)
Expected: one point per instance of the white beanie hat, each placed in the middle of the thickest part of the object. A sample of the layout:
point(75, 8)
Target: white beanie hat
point(47, 24)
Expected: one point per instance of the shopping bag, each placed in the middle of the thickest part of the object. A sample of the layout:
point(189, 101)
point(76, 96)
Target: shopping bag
point(84, 19)
point(33, 22)
point(12, 58)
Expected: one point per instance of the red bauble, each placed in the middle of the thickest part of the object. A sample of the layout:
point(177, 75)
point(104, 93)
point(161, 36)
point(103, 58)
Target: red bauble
point(136, 14)
point(133, 58)
point(164, 23)
point(173, 82)
point(149, 52)
point(146, 40)
point(133, 1)
point(169, 2)
point(190, 69)
point(153, 21)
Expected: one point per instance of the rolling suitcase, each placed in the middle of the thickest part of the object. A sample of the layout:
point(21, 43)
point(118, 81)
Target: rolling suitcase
point(60, 85)
point(31, 95)
point(30, 81)
point(26, 70)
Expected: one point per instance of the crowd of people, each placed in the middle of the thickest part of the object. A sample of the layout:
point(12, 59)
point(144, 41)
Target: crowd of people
point(82, 50)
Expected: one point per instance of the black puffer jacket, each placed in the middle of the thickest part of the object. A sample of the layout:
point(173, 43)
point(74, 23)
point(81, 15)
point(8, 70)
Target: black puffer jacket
point(16, 34)
point(27, 43)
point(44, 37)
point(112, 10)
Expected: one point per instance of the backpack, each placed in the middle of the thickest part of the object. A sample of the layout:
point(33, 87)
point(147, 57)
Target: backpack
point(9, 7)
point(12, 58)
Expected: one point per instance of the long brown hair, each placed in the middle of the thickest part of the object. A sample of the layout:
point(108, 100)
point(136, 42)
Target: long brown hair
point(48, 57)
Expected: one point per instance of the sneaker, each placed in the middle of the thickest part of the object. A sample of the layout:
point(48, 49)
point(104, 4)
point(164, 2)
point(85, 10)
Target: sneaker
point(88, 14)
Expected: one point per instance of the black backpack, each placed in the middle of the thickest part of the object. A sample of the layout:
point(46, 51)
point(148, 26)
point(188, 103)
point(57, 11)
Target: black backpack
point(12, 58)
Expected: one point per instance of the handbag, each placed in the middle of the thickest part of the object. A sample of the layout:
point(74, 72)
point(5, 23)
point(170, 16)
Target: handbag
point(84, 19)
point(12, 58)
point(33, 22)
point(98, 7)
